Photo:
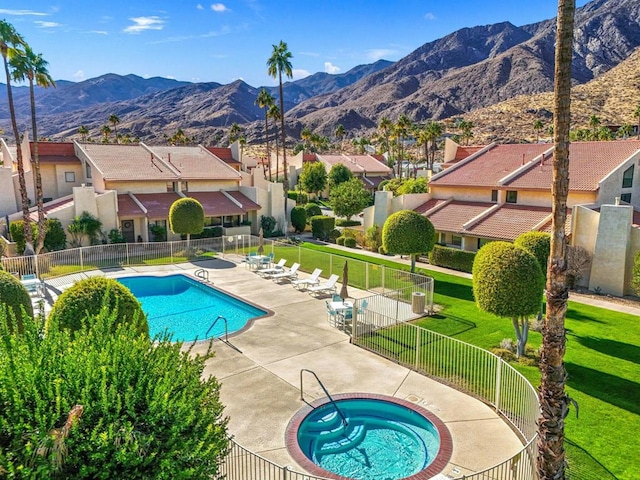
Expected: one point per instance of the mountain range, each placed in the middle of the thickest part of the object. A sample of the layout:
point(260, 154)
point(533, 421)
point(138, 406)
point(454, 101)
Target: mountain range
point(470, 69)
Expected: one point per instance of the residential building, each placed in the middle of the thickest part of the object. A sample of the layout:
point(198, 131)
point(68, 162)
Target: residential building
point(498, 192)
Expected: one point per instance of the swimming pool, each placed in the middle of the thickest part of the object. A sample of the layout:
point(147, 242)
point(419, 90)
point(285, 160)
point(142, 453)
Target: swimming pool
point(187, 308)
point(385, 438)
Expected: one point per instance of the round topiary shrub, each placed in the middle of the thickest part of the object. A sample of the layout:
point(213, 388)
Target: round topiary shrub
point(538, 244)
point(350, 242)
point(86, 298)
point(13, 298)
point(340, 240)
point(298, 219)
point(335, 233)
point(186, 216)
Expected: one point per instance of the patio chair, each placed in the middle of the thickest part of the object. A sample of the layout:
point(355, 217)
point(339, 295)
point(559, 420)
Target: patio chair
point(326, 288)
point(277, 268)
point(267, 261)
point(32, 284)
point(331, 314)
point(337, 298)
point(363, 307)
point(287, 275)
point(305, 283)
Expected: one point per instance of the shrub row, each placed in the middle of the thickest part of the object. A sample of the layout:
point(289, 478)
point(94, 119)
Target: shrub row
point(452, 258)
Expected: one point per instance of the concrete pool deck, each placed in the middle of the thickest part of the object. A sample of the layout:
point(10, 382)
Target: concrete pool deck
point(260, 372)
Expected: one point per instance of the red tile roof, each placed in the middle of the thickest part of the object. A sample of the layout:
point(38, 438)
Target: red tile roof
point(489, 168)
point(464, 152)
point(247, 204)
point(428, 205)
point(139, 162)
point(589, 163)
point(452, 217)
point(373, 182)
point(509, 221)
point(50, 208)
point(357, 164)
point(216, 204)
point(157, 204)
point(222, 153)
point(127, 207)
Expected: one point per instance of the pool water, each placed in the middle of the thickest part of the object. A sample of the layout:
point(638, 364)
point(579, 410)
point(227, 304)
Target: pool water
point(186, 308)
point(382, 441)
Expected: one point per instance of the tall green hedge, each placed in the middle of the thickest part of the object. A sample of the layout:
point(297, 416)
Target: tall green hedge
point(84, 300)
point(321, 226)
point(14, 298)
point(16, 229)
point(453, 258)
point(139, 411)
point(299, 218)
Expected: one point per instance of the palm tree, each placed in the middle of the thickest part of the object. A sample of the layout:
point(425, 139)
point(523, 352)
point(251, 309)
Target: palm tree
point(105, 131)
point(466, 130)
point(265, 100)
point(553, 399)
point(594, 123)
point(305, 135)
point(234, 132)
point(279, 62)
point(33, 68)
point(274, 114)
point(9, 40)
point(114, 120)
point(636, 114)
point(83, 131)
point(434, 132)
point(385, 126)
point(624, 131)
point(402, 128)
point(340, 133)
point(537, 127)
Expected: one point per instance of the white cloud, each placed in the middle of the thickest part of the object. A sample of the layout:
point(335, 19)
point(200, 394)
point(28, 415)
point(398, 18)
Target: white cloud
point(42, 24)
point(79, 75)
point(331, 68)
point(378, 53)
point(99, 32)
point(199, 6)
point(429, 16)
point(140, 24)
point(299, 73)
point(219, 7)
point(6, 11)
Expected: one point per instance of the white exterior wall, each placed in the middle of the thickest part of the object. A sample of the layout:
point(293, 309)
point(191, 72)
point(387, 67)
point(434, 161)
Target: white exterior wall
point(8, 204)
point(583, 233)
point(62, 186)
point(466, 194)
point(611, 249)
point(611, 185)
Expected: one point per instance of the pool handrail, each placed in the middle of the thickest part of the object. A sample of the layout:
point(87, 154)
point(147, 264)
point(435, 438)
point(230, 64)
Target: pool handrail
point(226, 327)
point(326, 392)
point(202, 274)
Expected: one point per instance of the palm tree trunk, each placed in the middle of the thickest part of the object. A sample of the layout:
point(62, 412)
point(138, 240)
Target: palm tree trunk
point(28, 232)
point(36, 168)
point(284, 150)
point(266, 138)
point(553, 399)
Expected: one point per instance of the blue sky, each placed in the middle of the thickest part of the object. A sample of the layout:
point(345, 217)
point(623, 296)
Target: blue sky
point(231, 39)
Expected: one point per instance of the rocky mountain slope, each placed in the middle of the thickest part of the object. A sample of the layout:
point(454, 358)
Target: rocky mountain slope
point(612, 97)
point(470, 69)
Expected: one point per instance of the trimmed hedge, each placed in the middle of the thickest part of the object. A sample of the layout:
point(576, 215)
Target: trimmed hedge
point(14, 297)
point(208, 232)
point(86, 298)
point(298, 219)
point(350, 242)
point(453, 258)
point(343, 222)
point(322, 226)
point(17, 234)
point(538, 244)
point(340, 240)
point(312, 210)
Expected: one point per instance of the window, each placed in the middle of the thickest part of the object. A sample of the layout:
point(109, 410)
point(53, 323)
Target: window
point(512, 196)
point(494, 195)
point(626, 197)
point(171, 186)
point(443, 238)
point(70, 177)
point(482, 242)
point(184, 186)
point(87, 169)
point(456, 241)
point(627, 178)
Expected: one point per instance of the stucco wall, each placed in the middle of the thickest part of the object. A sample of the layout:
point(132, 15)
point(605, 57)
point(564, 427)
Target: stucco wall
point(611, 185)
point(611, 248)
point(66, 188)
point(466, 194)
point(8, 203)
point(583, 233)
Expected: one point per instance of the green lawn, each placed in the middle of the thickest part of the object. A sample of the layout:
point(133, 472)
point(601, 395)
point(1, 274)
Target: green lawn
point(602, 360)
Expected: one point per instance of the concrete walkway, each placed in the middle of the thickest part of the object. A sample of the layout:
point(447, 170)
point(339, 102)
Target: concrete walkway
point(260, 377)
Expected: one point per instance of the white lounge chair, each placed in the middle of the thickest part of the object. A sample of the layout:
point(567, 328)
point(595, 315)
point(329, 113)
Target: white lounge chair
point(277, 268)
point(305, 283)
point(288, 275)
point(326, 288)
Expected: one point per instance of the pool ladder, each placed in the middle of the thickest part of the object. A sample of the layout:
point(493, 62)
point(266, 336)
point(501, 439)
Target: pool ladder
point(226, 327)
point(331, 400)
point(202, 274)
